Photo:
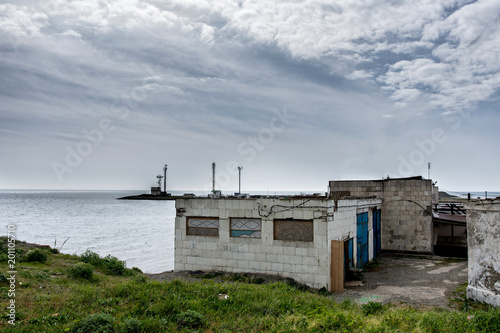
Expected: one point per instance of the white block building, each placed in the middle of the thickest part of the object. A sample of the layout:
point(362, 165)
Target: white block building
point(313, 240)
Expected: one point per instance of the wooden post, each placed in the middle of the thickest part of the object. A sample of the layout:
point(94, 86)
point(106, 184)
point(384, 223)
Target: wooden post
point(337, 266)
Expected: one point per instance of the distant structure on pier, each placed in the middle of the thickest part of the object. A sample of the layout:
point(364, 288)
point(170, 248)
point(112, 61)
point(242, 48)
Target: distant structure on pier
point(156, 190)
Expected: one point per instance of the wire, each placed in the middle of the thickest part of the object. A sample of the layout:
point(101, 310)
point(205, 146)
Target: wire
point(299, 206)
point(416, 203)
point(287, 208)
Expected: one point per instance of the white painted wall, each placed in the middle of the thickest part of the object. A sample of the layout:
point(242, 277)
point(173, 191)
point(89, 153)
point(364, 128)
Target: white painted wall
point(343, 224)
point(306, 262)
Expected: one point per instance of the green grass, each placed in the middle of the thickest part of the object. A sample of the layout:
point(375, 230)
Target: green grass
point(48, 299)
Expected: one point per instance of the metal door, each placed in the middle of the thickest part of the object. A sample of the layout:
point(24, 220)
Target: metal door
point(377, 241)
point(362, 239)
point(348, 258)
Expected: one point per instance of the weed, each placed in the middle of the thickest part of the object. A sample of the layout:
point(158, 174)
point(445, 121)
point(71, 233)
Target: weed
point(137, 270)
point(140, 278)
point(113, 266)
point(81, 270)
point(299, 286)
point(245, 278)
point(131, 325)
point(371, 265)
point(487, 321)
point(208, 275)
point(96, 323)
point(372, 308)
point(110, 265)
point(36, 255)
point(91, 258)
point(191, 319)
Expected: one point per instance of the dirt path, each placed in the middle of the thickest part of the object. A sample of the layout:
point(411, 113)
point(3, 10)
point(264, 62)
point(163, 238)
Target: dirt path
point(418, 281)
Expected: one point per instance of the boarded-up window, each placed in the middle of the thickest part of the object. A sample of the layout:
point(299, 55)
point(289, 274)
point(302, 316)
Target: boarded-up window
point(203, 226)
point(245, 228)
point(293, 230)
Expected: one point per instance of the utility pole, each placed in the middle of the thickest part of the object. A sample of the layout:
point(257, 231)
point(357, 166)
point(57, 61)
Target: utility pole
point(239, 179)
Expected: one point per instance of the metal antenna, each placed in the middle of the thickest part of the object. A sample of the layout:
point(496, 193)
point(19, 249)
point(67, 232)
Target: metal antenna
point(429, 170)
point(213, 177)
point(159, 181)
point(239, 179)
point(165, 178)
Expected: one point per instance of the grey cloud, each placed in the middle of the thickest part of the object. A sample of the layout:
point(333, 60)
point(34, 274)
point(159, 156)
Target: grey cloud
point(196, 79)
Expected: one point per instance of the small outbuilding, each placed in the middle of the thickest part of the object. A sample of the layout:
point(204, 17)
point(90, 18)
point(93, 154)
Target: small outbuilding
point(314, 240)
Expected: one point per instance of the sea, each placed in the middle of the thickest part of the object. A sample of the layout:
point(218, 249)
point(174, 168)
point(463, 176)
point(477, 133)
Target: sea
point(475, 195)
point(139, 232)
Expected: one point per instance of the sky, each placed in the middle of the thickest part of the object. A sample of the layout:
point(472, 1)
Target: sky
point(102, 94)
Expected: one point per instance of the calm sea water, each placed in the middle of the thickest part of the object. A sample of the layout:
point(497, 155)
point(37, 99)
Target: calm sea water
point(139, 232)
point(475, 195)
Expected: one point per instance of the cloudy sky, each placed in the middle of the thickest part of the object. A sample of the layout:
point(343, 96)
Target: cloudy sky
point(100, 94)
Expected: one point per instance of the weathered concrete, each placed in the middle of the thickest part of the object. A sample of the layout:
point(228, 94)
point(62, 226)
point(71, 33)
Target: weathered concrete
point(406, 209)
point(305, 261)
point(483, 228)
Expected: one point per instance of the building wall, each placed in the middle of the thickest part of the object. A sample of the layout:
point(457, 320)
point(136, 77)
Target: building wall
point(483, 228)
point(406, 209)
point(342, 223)
point(307, 262)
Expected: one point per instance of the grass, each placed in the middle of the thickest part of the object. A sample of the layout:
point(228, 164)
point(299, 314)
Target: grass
point(49, 299)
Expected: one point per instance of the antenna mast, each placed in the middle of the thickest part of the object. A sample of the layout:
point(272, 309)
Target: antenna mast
point(159, 181)
point(239, 179)
point(165, 178)
point(213, 177)
point(429, 170)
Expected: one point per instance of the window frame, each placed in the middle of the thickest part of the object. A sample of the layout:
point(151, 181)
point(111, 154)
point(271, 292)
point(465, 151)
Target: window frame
point(276, 223)
point(245, 218)
point(188, 228)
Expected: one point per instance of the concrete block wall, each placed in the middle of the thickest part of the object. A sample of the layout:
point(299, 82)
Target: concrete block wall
point(406, 221)
point(342, 222)
point(483, 229)
point(306, 262)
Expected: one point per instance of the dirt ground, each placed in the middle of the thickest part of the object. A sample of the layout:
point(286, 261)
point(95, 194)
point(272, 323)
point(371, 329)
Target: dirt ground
point(418, 281)
point(413, 280)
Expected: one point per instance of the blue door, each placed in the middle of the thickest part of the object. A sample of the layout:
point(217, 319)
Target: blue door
point(348, 258)
point(377, 243)
point(362, 239)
